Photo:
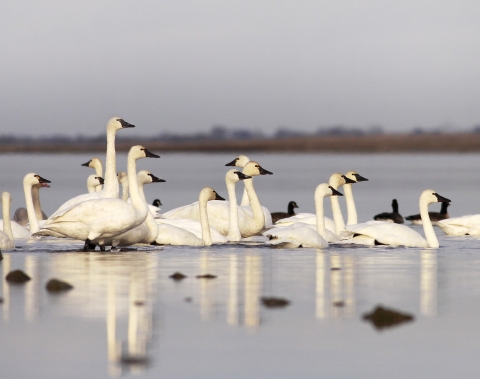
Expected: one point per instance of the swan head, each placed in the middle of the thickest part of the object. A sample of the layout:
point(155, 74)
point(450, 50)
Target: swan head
point(92, 163)
point(122, 177)
point(356, 177)
point(325, 190)
point(430, 196)
point(208, 193)
point(337, 180)
point(117, 123)
point(157, 203)
point(234, 176)
point(252, 168)
point(138, 151)
point(146, 177)
point(94, 181)
point(31, 179)
point(239, 161)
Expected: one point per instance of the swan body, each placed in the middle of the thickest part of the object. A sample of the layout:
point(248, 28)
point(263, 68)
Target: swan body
point(435, 217)
point(172, 235)
point(218, 212)
point(468, 225)
point(98, 220)
point(387, 233)
point(6, 236)
point(21, 216)
point(147, 231)
point(298, 235)
point(96, 164)
point(110, 188)
point(393, 216)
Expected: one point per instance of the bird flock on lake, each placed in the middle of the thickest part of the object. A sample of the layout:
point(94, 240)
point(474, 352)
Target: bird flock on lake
point(103, 218)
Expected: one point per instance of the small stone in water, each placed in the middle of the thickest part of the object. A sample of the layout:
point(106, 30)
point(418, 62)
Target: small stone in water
point(139, 303)
point(188, 300)
point(17, 276)
point(55, 285)
point(274, 302)
point(1, 300)
point(338, 303)
point(177, 276)
point(335, 269)
point(382, 317)
point(206, 276)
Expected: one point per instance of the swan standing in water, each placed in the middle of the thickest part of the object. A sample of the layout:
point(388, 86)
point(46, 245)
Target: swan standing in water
point(393, 216)
point(96, 220)
point(172, 235)
point(298, 235)
point(6, 236)
point(21, 215)
point(147, 231)
point(93, 183)
point(218, 212)
point(387, 233)
point(97, 165)
point(110, 188)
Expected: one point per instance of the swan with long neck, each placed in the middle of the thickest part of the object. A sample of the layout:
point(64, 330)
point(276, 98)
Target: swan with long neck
point(96, 164)
point(387, 233)
point(94, 221)
point(111, 187)
point(123, 180)
point(303, 235)
point(172, 235)
point(147, 231)
point(347, 188)
point(21, 215)
point(218, 212)
point(6, 237)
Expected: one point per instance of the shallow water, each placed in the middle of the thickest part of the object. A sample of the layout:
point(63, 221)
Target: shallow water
point(126, 317)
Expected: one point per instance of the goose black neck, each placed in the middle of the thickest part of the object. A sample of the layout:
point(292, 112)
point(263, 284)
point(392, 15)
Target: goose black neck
point(443, 210)
point(395, 206)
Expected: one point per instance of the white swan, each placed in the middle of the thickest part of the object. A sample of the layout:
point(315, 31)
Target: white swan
point(96, 164)
point(347, 187)
point(21, 215)
point(93, 183)
point(123, 181)
point(299, 235)
point(172, 235)
point(468, 225)
point(387, 233)
point(241, 161)
point(218, 212)
point(147, 231)
point(97, 220)
point(110, 188)
point(6, 236)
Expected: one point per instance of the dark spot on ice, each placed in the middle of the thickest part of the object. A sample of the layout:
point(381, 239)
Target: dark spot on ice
point(17, 276)
point(55, 285)
point(382, 317)
point(274, 302)
point(177, 276)
point(335, 269)
point(339, 304)
point(206, 276)
point(139, 303)
point(188, 300)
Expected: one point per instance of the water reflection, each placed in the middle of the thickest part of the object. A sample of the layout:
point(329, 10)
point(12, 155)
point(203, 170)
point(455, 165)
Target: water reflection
point(428, 282)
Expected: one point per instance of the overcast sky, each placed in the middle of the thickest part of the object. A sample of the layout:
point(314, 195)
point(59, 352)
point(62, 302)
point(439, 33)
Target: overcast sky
point(179, 66)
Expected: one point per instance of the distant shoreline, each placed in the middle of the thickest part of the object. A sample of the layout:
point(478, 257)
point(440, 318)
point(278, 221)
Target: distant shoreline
point(385, 143)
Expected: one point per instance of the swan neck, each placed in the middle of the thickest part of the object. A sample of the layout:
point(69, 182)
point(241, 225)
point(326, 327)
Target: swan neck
point(206, 236)
point(137, 202)
point(351, 210)
point(430, 235)
point(245, 202)
point(32, 219)
point(337, 215)
point(36, 202)
point(258, 217)
point(125, 191)
point(233, 227)
point(110, 188)
point(320, 215)
point(152, 227)
point(7, 225)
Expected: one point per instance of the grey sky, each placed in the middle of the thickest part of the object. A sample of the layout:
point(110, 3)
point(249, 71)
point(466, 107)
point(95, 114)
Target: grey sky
point(179, 66)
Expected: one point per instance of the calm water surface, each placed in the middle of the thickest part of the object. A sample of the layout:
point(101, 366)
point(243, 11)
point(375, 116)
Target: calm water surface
point(126, 317)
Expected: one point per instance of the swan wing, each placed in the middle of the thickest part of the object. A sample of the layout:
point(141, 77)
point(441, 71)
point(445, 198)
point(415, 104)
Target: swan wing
point(18, 231)
point(304, 235)
point(193, 227)
point(460, 226)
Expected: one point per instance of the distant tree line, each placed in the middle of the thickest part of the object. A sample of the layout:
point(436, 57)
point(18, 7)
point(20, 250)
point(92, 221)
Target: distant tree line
point(221, 132)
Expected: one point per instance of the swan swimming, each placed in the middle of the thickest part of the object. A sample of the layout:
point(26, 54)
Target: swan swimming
point(172, 235)
point(387, 233)
point(96, 220)
point(218, 212)
point(299, 235)
point(21, 216)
